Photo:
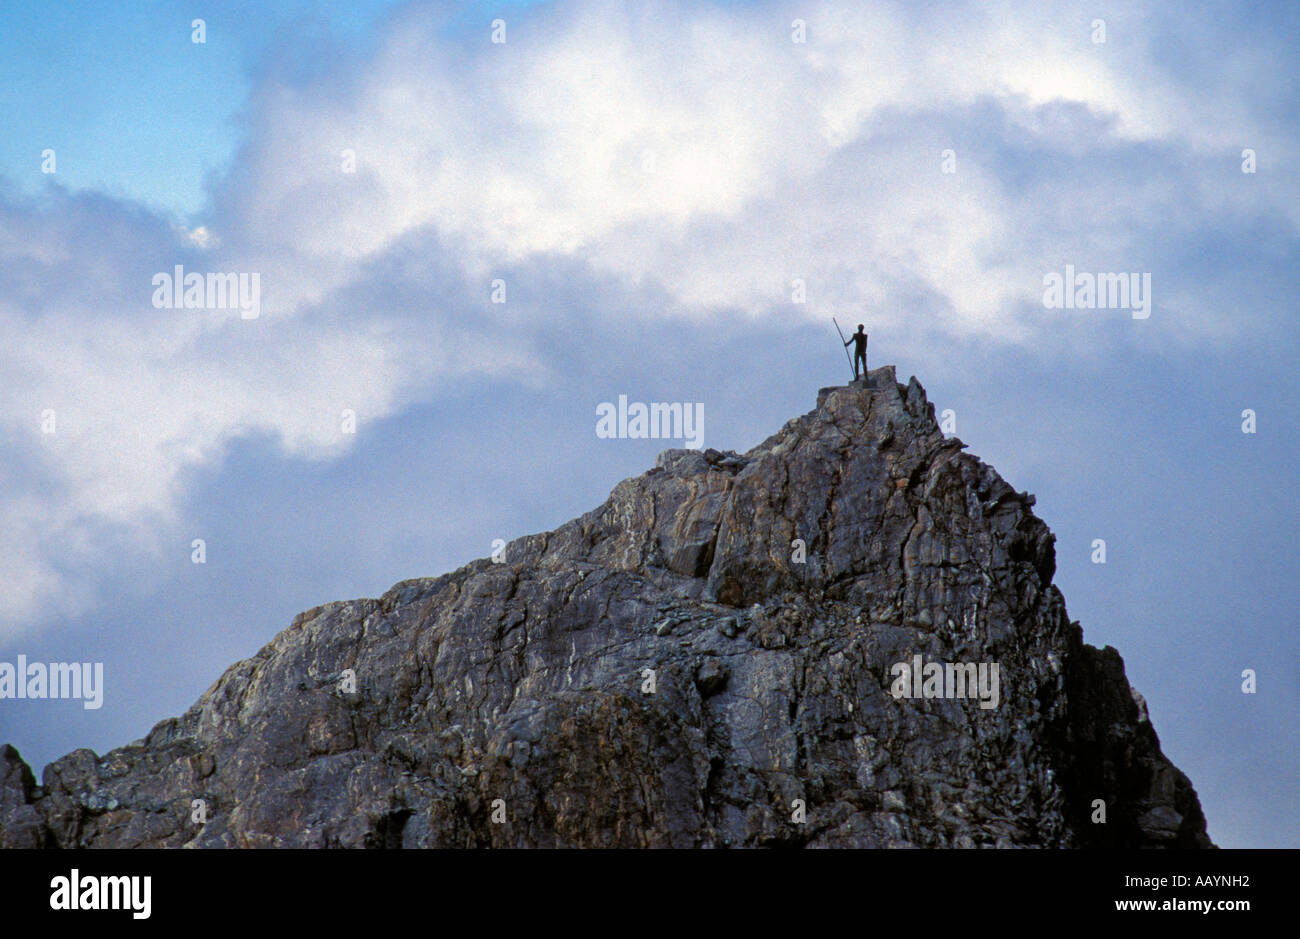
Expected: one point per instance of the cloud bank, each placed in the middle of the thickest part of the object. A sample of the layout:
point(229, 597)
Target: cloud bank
point(696, 154)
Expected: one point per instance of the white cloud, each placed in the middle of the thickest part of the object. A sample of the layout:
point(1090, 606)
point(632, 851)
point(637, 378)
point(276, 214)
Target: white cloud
point(696, 149)
point(616, 135)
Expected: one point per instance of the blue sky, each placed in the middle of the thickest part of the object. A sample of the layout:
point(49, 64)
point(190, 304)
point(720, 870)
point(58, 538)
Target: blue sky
point(647, 183)
point(133, 108)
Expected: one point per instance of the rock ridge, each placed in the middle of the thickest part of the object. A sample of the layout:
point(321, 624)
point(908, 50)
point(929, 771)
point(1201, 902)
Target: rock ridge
point(704, 660)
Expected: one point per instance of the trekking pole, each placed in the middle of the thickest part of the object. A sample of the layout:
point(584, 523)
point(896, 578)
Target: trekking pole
point(845, 341)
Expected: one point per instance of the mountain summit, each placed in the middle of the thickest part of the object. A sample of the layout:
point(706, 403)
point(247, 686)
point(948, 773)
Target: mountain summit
point(846, 637)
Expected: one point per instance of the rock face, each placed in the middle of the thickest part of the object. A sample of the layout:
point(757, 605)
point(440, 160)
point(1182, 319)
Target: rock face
point(705, 660)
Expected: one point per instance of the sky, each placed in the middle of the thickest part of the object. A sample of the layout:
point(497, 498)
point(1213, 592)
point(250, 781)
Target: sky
point(672, 199)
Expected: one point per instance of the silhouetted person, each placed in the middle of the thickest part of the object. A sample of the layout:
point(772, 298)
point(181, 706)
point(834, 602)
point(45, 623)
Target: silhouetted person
point(859, 350)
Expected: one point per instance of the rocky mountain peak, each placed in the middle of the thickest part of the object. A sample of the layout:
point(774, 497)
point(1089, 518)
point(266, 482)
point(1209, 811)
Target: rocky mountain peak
point(846, 636)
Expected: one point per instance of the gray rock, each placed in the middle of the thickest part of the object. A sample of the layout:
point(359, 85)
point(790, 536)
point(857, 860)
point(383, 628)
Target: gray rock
point(710, 677)
point(523, 682)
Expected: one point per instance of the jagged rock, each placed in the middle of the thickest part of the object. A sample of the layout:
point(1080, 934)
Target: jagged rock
point(20, 824)
point(710, 677)
point(506, 704)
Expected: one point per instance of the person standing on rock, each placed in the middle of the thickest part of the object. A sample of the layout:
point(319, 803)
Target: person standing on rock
point(859, 350)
